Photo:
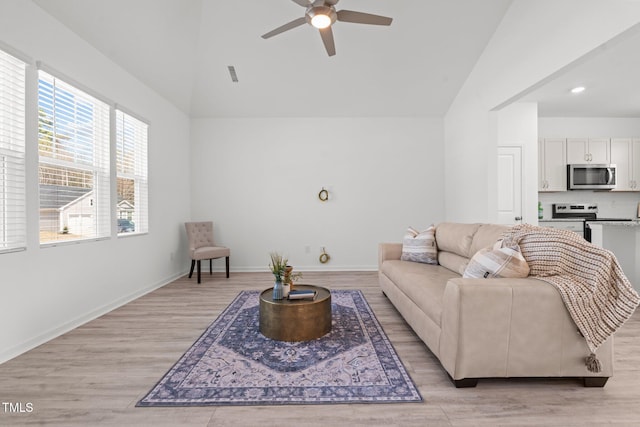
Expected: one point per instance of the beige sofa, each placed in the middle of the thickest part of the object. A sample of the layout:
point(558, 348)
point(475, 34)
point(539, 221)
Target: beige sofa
point(486, 328)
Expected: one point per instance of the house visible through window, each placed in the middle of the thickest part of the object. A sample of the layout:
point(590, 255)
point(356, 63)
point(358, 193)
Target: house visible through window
point(73, 147)
point(131, 155)
point(12, 153)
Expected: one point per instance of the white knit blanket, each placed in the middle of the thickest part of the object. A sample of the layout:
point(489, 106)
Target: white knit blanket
point(593, 286)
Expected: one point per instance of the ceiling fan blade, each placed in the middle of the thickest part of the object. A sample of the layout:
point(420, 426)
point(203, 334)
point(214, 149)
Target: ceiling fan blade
point(327, 39)
point(363, 18)
point(293, 24)
point(303, 3)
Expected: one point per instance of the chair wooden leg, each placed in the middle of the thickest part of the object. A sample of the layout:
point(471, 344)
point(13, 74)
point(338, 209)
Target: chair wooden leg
point(210, 266)
point(193, 263)
point(227, 263)
point(198, 271)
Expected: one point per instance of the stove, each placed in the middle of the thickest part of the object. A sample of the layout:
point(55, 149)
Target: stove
point(569, 210)
point(586, 212)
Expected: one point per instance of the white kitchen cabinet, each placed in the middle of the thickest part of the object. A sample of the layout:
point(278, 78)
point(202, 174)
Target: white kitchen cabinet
point(621, 156)
point(588, 150)
point(625, 154)
point(552, 164)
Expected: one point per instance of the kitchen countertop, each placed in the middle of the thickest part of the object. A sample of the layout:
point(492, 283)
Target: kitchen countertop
point(561, 220)
point(634, 223)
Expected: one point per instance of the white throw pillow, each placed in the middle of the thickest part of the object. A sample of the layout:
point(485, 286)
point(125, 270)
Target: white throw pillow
point(420, 246)
point(497, 261)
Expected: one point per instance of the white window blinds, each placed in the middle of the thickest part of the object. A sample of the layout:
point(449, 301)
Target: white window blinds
point(12, 153)
point(131, 155)
point(73, 147)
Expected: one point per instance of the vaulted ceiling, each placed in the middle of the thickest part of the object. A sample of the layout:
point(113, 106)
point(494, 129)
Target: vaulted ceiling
point(182, 48)
point(415, 67)
point(609, 76)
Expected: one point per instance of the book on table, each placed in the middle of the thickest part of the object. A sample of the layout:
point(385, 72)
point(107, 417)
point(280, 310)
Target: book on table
point(303, 294)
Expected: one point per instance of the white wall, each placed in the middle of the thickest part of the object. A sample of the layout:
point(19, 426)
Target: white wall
point(533, 41)
point(47, 291)
point(258, 180)
point(517, 125)
point(588, 127)
point(611, 204)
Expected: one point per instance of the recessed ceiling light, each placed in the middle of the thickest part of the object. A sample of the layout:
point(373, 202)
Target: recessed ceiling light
point(577, 89)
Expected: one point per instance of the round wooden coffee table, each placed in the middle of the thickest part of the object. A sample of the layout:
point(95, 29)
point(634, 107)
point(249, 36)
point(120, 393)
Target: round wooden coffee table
point(295, 320)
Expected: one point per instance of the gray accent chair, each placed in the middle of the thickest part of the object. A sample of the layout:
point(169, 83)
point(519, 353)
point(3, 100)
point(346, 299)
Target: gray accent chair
point(202, 246)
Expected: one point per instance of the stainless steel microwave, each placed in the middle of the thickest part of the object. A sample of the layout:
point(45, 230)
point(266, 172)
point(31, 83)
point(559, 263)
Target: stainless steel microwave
point(591, 177)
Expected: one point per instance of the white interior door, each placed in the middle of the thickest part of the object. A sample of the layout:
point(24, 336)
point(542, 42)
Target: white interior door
point(509, 185)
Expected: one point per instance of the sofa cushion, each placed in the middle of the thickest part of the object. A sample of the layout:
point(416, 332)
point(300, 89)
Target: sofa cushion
point(453, 262)
point(420, 246)
point(497, 261)
point(456, 238)
point(422, 283)
point(487, 235)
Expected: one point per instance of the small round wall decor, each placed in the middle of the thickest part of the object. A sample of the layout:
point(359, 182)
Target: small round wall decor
point(324, 257)
point(323, 195)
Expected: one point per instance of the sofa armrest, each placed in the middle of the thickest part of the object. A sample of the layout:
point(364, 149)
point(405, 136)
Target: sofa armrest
point(476, 315)
point(509, 328)
point(387, 251)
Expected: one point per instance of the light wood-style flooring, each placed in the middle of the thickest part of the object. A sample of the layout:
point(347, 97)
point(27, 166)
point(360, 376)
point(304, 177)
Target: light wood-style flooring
point(95, 374)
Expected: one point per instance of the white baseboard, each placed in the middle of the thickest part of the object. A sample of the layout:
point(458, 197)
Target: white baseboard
point(29, 344)
point(301, 268)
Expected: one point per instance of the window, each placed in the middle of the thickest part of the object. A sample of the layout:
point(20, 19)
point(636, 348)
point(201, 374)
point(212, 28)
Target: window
point(12, 154)
point(132, 184)
point(73, 147)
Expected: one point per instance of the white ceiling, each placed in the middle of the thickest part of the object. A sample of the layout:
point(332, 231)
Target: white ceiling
point(181, 49)
point(611, 76)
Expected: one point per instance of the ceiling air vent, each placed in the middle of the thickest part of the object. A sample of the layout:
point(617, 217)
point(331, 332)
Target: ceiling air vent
point(232, 73)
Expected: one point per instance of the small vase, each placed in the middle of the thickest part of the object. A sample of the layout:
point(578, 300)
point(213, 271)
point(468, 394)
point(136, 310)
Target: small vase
point(287, 277)
point(286, 288)
point(277, 290)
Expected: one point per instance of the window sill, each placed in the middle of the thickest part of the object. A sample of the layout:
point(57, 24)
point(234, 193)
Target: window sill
point(127, 235)
point(72, 242)
point(7, 251)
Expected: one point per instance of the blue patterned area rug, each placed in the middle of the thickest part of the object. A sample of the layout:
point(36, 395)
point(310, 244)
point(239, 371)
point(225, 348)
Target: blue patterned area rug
point(232, 363)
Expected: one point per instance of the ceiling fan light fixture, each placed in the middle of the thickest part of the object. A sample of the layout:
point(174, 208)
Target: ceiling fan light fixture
point(321, 16)
point(321, 21)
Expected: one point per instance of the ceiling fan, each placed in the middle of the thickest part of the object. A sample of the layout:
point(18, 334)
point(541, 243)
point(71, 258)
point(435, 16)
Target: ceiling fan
point(322, 14)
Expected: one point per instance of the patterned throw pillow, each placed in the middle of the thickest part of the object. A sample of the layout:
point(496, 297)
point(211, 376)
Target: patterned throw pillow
point(420, 246)
point(497, 261)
